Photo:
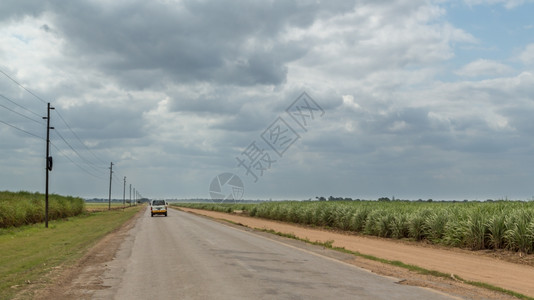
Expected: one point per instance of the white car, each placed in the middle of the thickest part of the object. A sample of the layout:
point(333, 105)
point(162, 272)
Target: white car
point(158, 207)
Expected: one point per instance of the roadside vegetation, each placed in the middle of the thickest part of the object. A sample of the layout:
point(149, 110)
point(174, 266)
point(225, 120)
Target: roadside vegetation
point(101, 206)
point(31, 252)
point(472, 225)
point(22, 208)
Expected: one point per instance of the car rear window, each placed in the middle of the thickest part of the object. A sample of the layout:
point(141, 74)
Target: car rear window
point(158, 202)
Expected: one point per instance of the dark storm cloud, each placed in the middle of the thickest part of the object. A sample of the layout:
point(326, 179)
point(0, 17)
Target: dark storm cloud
point(521, 119)
point(235, 109)
point(247, 120)
point(104, 122)
point(234, 42)
point(219, 101)
point(14, 9)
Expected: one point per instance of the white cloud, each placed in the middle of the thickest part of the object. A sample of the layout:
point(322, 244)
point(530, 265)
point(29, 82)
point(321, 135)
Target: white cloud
point(348, 100)
point(376, 37)
point(509, 4)
point(484, 67)
point(527, 56)
point(30, 50)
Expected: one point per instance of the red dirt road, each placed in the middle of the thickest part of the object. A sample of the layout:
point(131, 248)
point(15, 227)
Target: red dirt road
point(469, 266)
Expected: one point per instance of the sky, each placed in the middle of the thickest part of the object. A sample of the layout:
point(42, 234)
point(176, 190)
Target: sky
point(294, 99)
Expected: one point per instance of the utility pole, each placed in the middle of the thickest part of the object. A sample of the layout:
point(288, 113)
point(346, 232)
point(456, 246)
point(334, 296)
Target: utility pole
point(130, 194)
point(48, 160)
point(135, 195)
point(110, 178)
point(124, 194)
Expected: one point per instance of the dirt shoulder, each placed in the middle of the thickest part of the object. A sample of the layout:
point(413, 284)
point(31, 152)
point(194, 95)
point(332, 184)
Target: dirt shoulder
point(467, 265)
point(81, 279)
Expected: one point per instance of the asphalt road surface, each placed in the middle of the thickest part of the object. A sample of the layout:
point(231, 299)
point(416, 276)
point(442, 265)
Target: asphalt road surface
point(184, 256)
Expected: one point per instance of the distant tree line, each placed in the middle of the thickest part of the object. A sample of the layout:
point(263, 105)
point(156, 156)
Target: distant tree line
point(332, 198)
point(387, 199)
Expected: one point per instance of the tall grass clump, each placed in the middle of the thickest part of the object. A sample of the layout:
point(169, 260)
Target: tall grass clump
point(358, 219)
point(400, 226)
point(22, 208)
point(416, 224)
point(496, 231)
point(519, 234)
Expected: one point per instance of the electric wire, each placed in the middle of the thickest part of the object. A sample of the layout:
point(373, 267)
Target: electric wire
point(116, 177)
point(20, 129)
point(16, 112)
point(27, 90)
point(72, 161)
point(61, 117)
point(77, 137)
point(26, 109)
point(89, 163)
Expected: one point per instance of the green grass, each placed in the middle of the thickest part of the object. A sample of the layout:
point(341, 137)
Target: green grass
point(22, 208)
point(30, 252)
point(100, 206)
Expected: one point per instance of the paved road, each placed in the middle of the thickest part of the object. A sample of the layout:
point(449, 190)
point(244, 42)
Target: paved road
point(184, 256)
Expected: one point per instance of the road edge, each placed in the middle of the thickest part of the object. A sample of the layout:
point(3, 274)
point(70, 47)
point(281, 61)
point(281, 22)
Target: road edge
point(104, 250)
point(418, 276)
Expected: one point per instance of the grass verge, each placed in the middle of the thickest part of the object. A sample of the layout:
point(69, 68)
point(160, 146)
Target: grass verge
point(30, 252)
point(93, 207)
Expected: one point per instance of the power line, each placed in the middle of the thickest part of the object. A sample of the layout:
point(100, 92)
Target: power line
point(115, 176)
point(89, 163)
point(34, 135)
point(77, 137)
point(60, 116)
point(27, 132)
point(16, 112)
point(26, 109)
point(27, 90)
point(72, 161)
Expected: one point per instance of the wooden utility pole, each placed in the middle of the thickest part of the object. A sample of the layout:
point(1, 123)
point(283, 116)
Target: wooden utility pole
point(124, 194)
point(110, 179)
point(48, 160)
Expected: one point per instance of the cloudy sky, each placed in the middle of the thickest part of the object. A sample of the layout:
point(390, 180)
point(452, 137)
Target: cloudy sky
point(412, 99)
